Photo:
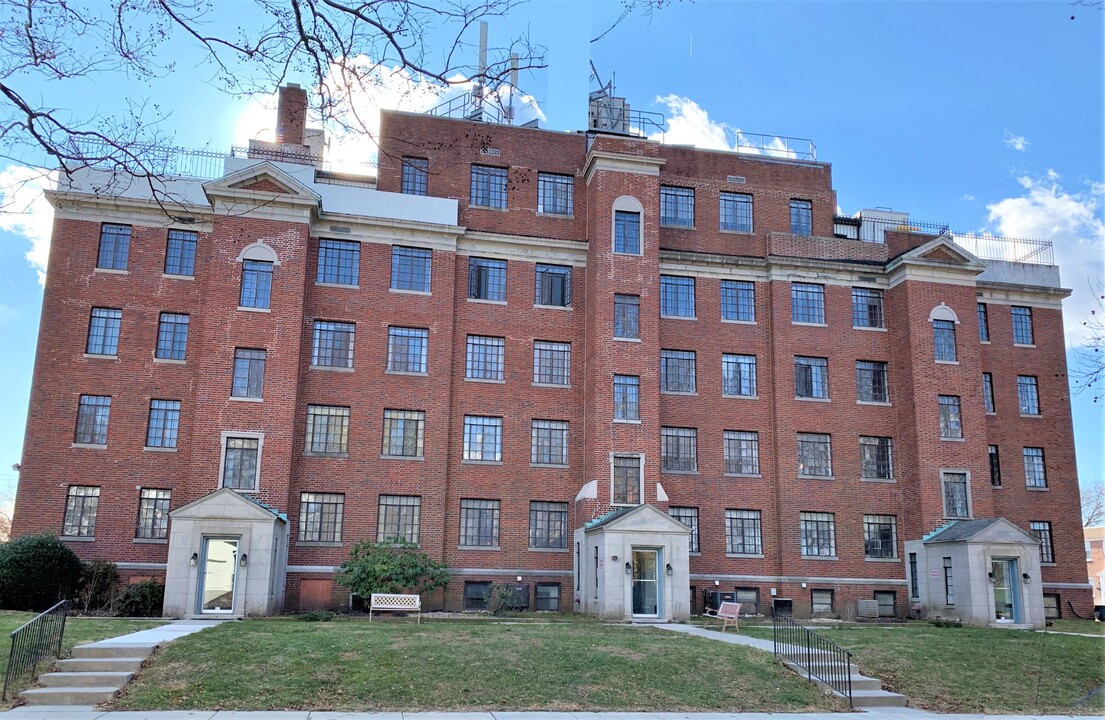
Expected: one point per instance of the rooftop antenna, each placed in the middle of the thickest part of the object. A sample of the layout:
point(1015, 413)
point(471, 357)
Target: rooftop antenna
point(508, 111)
point(478, 90)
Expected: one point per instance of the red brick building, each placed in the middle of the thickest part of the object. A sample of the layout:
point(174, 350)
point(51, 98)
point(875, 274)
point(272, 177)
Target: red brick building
point(511, 335)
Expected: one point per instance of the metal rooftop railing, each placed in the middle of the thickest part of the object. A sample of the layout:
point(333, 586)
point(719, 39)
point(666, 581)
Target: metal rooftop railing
point(1033, 251)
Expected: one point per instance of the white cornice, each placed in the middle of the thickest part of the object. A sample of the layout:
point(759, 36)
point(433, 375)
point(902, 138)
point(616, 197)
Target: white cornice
point(617, 162)
point(133, 211)
point(526, 249)
point(1015, 294)
point(387, 231)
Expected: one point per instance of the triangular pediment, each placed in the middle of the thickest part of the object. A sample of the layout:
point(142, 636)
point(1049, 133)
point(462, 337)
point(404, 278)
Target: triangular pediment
point(643, 518)
point(942, 249)
point(990, 530)
point(226, 503)
point(264, 177)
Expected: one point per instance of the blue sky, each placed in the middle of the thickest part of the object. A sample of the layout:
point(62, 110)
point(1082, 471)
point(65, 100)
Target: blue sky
point(984, 116)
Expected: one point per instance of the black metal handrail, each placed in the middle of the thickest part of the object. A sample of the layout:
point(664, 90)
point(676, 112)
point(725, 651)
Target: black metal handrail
point(821, 658)
point(33, 641)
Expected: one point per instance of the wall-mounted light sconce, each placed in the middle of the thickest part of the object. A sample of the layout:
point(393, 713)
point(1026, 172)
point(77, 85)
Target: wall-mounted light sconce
point(990, 575)
point(717, 583)
point(242, 562)
point(628, 568)
point(615, 558)
point(1024, 576)
point(518, 578)
point(195, 559)
point(668, 569)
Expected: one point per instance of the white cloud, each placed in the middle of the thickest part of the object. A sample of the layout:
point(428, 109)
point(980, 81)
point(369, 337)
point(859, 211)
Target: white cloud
point(1072, 221)
point(1018, 142)
point(968, 198)
point(24, 211)
point(690, 124)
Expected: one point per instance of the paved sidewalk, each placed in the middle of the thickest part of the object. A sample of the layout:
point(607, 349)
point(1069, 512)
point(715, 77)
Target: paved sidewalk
point(160, 635)
point(72, 713)
point(731, 638)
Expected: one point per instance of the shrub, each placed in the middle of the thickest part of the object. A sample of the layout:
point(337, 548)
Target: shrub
point(317, 616)
point(143, 599)
point(391, 567)
point(99, 585)
point(502, 600)
point(37, 571)
point(942, 623)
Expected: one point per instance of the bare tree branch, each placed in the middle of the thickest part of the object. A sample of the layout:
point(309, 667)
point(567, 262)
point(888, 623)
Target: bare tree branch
point(1089, 364)
point(1093, 504)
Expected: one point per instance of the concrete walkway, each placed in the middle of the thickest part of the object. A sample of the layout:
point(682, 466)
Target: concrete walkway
point(161, 634)
point(731, 638)
point(72, 713)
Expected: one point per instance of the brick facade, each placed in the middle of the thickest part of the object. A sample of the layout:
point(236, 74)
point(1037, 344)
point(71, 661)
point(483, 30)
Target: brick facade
point(603, 169)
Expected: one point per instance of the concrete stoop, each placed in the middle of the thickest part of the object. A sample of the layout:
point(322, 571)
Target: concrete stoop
point(866, 691)
point(91, 676)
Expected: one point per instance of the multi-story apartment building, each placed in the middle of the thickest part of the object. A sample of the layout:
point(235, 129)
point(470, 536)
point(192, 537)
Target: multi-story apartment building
point(612, 372)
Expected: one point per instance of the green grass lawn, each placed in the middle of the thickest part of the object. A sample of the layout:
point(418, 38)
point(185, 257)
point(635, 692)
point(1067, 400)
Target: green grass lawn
point(354, 665)
point(977, 669)
point(78, 630)
point(1085, 627)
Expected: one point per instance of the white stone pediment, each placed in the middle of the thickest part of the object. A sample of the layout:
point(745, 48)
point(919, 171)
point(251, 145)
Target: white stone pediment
point(225, 504)
point(644, 518)
point(240, 183)
point(943, 249)
point(1000, 530)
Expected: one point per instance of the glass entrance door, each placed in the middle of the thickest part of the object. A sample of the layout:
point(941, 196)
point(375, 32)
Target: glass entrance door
point(645, 583)
point(220, 563)
point(1005, 590)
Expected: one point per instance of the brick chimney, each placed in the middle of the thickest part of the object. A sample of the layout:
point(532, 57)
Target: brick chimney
point(291, 115)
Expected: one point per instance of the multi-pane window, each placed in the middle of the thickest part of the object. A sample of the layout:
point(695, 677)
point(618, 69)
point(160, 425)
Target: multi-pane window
point(399, 518)
point(956, 502)
point(914, 579)
point(153, 514)
point(995, 465)
point(951, 422)
point(1022, 326)
point(807, 303)
point(320, 517)
point(416, 175)
point(1051, 606)
point(817, 534)
point(815, 455)
point(867, 308)
point(407, 349)
point(240, 463)
point(1028, 395)
point(553, 285)
point(876, 458)
point(554, 193)
point(627, 397)
point(738, 375)
point(164, 424)
point(488, 187)
point(676, 296)
point(880, 536)
point(871, 383)
point(983, 323)
point(404, 431)
point(410, 268)
point(487, 279)
point(339, 262)
point(742, 452)
point(627, 232)
point(677, 371)
point(678, 449)
point(484, 358)
point(743, 532)
point(811, 377)
point(114, 247)
point(1035, 473)
point(738, 300)
point(172, 336)
point(483, 438)
point(546, 596)
point(80, 511)
point(801, 217)
point(749, 599)
point(548, 525)
point(93, 412)
point(327, 429)
point(180, 253)
point(988, 392)
point(821, 601)
point(103, 331)
point(677, 206)
point(549, 442)
point(627, 313)
point(552, 362)
point(479, 523)
point(736, 212)
point(943, 340)
point(949, 582)
point(249, 373)
point(1042, 530)
point(627, 480)
point(689, 517)
point(332, 344)
point(256, 284)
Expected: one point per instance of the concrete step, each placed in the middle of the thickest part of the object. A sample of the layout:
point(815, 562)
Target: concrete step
point(85, 679)
point(877, 698)
point(99, 664)
point(96, 650)
point(68, 695)
point(837, 669)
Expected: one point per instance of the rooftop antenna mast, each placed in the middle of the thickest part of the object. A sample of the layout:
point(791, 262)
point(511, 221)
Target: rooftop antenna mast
point(508, 111)
point(478, 90)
